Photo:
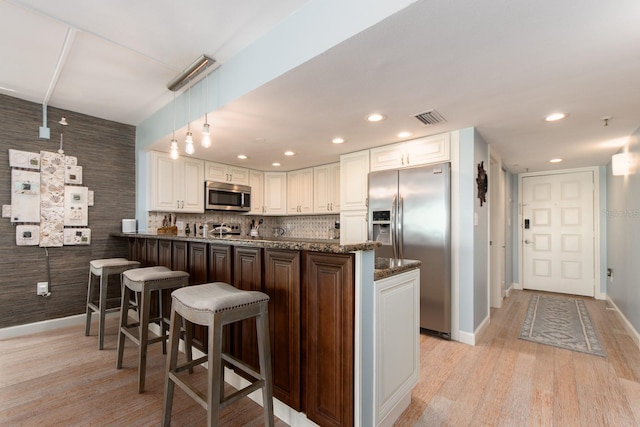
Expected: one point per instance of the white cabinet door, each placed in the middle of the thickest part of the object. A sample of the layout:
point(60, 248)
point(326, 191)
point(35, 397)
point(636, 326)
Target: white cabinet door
point(431, 149)
point(221, 172)
point(162, 194)
point(354, 171)
point(326, 189)
point(215, 172)
point(421, 151)
point(353, 226)
point(387, 157)
point(176, 185)
point(192, 185)
point(275, 193)
point(300, 191)
point(396, 341)
point(256, 181)
point(238, 175)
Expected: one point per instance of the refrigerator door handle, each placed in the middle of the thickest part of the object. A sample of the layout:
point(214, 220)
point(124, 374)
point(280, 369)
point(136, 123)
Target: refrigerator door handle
point(393, 226)
point(399, 227)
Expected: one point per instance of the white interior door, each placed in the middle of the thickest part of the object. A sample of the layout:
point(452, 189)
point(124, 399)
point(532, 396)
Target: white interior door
point(558, 233)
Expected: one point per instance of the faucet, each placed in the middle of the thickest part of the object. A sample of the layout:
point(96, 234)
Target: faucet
point(221, 227)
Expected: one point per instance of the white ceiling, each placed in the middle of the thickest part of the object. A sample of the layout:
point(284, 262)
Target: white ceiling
point(500, 66)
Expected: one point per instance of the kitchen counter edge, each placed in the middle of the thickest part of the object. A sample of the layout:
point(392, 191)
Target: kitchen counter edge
point(387, 267)
point(299, 244)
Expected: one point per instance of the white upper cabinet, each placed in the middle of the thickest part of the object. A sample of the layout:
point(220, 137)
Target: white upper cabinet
point(275, 193)
point(221, 172)
point(256, 181)
point(326, 189)
point(430, 149)
point(176, 185)
point(300, 191)
point(354, 172)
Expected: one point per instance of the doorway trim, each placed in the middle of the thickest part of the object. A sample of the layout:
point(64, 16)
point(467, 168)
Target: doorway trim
point(598, 294)
point(497, 236)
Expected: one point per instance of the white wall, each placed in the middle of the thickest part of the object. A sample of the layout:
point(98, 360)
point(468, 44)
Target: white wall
point(622, 218)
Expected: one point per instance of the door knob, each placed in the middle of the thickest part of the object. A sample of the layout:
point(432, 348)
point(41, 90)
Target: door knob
point(526, 242)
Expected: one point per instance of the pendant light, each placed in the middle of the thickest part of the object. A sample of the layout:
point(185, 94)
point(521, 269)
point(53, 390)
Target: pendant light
point(206, 132)
point(173, 150)
point(189, 140)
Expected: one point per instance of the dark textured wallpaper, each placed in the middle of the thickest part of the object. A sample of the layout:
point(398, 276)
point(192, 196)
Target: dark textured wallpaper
point(106, 151)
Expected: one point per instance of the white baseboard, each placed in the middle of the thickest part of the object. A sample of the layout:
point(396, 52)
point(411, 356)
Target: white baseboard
point(396, 411)
point(635, 336)
point(509, 289)
point(45, 325)
point(517, 286)
point(470, 338)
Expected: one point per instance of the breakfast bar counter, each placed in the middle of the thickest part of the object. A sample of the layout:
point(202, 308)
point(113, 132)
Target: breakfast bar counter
point(322, 310)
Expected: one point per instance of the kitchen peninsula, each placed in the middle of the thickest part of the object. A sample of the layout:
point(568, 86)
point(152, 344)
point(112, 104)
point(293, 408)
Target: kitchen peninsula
point(321, 316)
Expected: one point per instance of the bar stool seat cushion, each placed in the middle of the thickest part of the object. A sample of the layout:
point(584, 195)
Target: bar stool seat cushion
point(98, 264)
point(161, 277)
point(215, 297)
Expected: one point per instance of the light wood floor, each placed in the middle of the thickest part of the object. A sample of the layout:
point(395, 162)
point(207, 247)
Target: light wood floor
point(506, 381)
point(61, 378)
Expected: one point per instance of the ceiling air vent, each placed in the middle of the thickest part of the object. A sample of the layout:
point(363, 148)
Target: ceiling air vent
point(430, 118)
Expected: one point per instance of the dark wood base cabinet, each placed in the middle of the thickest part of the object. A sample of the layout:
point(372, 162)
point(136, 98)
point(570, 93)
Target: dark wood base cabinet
point(311, 316)
point(282, 284)
point(329, 322)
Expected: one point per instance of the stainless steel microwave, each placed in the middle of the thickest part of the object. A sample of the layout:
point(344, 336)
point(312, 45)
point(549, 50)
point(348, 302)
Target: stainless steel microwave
point(222, 196)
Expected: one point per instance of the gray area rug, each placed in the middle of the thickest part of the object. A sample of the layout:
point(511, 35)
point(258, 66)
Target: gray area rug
point(561, 322)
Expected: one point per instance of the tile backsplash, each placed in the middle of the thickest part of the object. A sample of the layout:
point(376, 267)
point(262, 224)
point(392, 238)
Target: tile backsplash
point(303, 226)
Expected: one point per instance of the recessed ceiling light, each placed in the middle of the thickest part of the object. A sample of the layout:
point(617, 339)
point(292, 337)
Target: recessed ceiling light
point(275, 164)
point(242, 156)
point(404, 134)
point(337, 140)
point(555, 116)
point(289, 153)
point(555, 160)
point(375, 117)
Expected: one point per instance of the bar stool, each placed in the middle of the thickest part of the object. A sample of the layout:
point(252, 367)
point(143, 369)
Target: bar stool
point(145, 280)
point(103, 268)
point(215, 305)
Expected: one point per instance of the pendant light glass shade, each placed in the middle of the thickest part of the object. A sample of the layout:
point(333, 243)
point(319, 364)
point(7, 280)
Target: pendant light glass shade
point(206, 136)
point(174, 149)
point(189, 144)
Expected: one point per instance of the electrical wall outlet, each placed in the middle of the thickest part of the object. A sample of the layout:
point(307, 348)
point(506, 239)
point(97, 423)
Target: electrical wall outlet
point(43, 288)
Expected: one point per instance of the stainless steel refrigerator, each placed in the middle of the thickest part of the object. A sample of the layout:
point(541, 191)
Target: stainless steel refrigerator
point(410, 213)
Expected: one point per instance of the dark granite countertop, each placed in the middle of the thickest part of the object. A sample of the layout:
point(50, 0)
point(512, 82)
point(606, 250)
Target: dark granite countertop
point(284, 242)
point(387, 267)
